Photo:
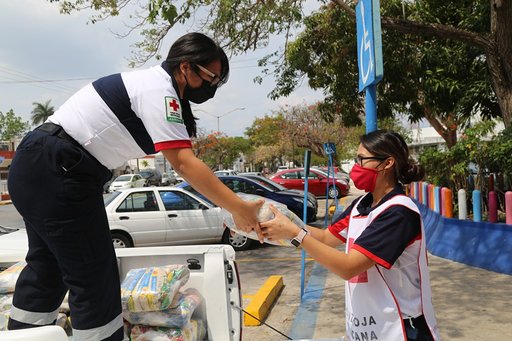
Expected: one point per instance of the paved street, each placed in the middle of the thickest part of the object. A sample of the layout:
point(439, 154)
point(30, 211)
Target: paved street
point(471, 304)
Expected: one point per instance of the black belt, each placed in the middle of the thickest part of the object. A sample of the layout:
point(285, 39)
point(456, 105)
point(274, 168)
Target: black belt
point(56, 130)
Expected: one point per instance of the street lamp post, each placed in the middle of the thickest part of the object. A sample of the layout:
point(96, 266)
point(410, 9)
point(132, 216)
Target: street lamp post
point(221, 115)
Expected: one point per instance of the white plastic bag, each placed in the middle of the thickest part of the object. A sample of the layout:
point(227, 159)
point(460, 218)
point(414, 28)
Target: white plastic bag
point(265, 214)
point(195, 330)
point(9, 277)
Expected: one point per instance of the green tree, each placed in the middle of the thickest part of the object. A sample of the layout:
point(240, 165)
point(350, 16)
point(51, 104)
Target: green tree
point(218, 150)
point(267, 135)
point(41, 112)
point(12, 126)
point(444, 82)
point(477, 149)
point(243, 26)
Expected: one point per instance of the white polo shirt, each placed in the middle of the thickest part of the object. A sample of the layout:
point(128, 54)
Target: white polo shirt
point(125, 116)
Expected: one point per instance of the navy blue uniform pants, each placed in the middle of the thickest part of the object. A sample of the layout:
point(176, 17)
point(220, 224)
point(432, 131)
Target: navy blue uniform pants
point(57, 188)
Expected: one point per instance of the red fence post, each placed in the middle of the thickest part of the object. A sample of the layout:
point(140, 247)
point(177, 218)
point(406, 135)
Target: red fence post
point(493, 207)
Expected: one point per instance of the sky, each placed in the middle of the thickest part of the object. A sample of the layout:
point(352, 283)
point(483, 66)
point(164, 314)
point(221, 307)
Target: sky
point(45, 55)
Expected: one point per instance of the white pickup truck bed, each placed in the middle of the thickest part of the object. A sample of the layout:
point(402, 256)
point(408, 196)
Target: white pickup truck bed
point(212, 272)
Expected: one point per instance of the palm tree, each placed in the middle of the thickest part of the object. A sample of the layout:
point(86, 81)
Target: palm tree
point(41, 112)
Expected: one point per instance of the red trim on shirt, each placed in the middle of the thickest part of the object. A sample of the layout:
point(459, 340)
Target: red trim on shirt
point(418, 237)
point(339, 226)
point(373, 257)
point(173, 145)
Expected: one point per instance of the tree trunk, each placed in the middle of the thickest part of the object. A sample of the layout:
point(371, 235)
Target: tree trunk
point(499, 56)
point(448, 133)
point(497, 45)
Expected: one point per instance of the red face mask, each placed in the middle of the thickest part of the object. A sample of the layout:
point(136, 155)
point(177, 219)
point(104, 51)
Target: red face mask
point(364, 178)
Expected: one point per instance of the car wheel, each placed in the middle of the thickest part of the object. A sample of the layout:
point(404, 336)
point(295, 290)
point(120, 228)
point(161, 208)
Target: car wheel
point(121, 241)
point(237, 241)
point(334, 192)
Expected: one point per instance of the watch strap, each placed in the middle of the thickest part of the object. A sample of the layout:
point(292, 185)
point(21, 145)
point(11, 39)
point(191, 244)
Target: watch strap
point(297, 240)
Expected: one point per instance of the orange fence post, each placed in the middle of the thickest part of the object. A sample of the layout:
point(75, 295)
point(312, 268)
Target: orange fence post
point(447, 202)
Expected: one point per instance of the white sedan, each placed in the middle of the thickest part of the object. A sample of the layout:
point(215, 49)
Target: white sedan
point(153, 216)
point(127, 181)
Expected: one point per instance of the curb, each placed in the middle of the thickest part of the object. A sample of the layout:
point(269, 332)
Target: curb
point(263, 300)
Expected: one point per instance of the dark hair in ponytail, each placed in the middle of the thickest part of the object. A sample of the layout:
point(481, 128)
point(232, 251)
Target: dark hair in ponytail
point(196, 48)
point(387, 143)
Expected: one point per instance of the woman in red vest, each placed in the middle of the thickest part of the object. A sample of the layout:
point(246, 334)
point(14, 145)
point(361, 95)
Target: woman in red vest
point(387, 288)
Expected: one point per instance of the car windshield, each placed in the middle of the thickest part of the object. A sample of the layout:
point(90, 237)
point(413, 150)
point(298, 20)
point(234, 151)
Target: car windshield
point(124, 178)
point(336, 174)
point(108, 199)
point(267, 183)
point(145, 174)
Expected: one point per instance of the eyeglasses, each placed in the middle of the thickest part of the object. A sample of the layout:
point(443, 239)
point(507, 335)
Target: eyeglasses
point(216, 81)
point(359, 159)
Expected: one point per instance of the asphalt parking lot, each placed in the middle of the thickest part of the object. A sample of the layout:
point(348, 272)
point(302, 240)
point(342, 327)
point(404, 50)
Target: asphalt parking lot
point(471, 304)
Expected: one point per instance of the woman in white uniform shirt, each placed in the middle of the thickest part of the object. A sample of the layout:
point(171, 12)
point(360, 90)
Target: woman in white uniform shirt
point(111, 120)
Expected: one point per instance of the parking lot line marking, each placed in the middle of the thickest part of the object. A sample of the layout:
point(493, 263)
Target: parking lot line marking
point(303, 326)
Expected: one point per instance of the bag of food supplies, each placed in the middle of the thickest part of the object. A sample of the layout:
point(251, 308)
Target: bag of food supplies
point(152, 288)
point(195, 330)
point(178, 314)
point(264, 214)
point(9, 277)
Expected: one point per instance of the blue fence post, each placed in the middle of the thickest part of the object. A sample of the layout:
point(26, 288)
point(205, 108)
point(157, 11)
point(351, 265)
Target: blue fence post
point(477, 205)
point(424, 194)
point(437, 202)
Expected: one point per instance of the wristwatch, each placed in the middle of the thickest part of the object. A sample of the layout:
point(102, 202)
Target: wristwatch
point(297, 240)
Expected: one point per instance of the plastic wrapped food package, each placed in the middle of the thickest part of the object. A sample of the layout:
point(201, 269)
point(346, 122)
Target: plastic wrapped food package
point(178, 314)
point(195, 330)
point(9, 277)
point(264, 214)
point(6, 302)
point(153, 288)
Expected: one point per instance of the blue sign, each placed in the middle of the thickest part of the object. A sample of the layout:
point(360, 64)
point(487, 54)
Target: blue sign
point(369, 43)
point(329, 148)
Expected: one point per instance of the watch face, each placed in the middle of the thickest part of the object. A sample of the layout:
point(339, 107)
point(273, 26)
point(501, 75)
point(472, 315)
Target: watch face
point(295, 242)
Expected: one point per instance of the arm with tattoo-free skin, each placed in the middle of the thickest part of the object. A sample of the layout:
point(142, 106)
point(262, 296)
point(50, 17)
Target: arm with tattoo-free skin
point(200, 176)
point(319, 244)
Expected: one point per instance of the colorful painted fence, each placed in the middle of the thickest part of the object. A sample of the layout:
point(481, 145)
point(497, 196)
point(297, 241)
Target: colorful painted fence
point(441, 201)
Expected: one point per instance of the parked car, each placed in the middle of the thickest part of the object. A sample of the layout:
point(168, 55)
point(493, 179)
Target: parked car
point(106, 185)
point(240, 184)
point(166, 216)
point(168, 179)
point(152, 176)
point(250, 173)
point(317, 182)
point(127, 181)
point(277, 187)
point(225, 172)
point(338, 173)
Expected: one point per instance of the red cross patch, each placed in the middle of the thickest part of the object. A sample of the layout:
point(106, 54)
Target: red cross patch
point(173, 110)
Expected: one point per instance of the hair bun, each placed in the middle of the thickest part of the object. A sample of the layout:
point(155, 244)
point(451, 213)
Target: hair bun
point(412, 172)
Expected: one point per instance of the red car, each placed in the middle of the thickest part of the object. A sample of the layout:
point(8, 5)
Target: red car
point(317, 182)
